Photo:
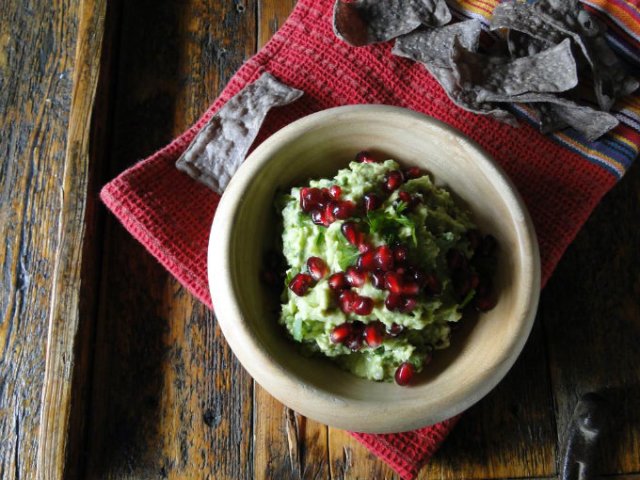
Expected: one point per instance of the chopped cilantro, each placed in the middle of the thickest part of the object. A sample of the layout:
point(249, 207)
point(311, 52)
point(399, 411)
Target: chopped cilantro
point(347, 253)
point(467, 299)
point(387, 224)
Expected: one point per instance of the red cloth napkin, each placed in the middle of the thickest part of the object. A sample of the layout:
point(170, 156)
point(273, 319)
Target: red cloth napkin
point(171, 214)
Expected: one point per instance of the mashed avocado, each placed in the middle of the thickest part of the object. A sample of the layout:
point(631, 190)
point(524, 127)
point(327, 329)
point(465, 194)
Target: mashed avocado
point(406, 237)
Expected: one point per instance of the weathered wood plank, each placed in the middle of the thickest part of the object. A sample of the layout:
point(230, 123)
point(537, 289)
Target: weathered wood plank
point(169, 399)
point(67, 370)
point(271, 16)
point(287, 445)
point(37, 46)
point(591, 313)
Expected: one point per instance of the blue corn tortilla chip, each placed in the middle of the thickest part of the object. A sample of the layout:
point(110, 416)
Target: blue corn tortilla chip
point(222, 144)
point(522, 45)
point(555, 20)
point(557, 111)
point(466, 99)
point(433, 45)
point(552, 70)
point(363, 22)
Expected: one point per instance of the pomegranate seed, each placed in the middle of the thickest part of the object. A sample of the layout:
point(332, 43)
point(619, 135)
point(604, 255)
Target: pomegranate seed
point(355, 277)
point(461, 283)
point(405, 197)
point(417, 276)
point(392, 181)
point(365, 157)
point(410, 288)
point(404, 374)
point(318, 217)
point(367, 261)
point(485, 300)
point(354, 343)
point(346, 300)
point(300, 284)
point(371, 202)
point(393, 302)
point(341, 333)
point(363, 306)
point(474, 238)
point(328, 215)
point(485, 303)
point(409, 200)
point(351, 233)
point(374, 334)
point(400, 254)
point(355, 340)
point(413, 172)
point(311, 199)
point(409, 304)
point(317, 267)
point(393, 282)
point(401, 271)
point(432, 284)
point(338, 281)
point(474, 280)
point(488, 245)
point(364, 247)
point(358, 327)
point(344, 210)
point(384, 258)
point(456, 260)
point(394, 330)
point(335, 191)
point(377, 279)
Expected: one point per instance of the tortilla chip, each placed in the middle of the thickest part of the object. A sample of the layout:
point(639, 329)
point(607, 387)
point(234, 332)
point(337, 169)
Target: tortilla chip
point(221, 146)
point(467, 99)
point(552, 70)
point(557, 110)
point(433, 45)
point(363, 22)
point(522, 45)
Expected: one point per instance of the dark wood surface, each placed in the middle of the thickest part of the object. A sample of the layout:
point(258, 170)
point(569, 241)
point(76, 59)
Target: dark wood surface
point(135, 379)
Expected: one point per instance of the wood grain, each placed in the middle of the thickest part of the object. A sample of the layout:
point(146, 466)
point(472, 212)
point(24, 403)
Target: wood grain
point(271, 15)
point(37, 46)
point(74, 278)
point(169, 398)
point(591, 313)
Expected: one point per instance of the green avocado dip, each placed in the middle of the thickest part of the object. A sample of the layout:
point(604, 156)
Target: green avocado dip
point(381, 262)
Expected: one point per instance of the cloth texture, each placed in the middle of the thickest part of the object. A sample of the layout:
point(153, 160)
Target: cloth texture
point(171, 214)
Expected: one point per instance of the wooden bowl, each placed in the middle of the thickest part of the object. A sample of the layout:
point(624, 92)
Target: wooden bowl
point(317, 146)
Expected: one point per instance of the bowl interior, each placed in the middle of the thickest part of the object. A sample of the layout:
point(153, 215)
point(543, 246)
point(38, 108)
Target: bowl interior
point(481, 352)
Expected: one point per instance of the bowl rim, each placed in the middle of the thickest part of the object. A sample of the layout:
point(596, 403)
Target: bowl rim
point(243, 341)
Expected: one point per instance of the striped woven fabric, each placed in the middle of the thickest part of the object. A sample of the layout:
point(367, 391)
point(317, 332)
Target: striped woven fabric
point(615, 151)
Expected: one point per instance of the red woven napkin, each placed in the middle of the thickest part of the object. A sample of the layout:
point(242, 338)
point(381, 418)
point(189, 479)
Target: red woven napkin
point(171, 214)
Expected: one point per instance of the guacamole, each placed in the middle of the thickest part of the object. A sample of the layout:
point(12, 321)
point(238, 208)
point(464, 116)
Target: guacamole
point(380, 265)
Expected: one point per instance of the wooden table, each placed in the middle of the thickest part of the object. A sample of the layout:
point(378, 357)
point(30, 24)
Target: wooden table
point(108, 368)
